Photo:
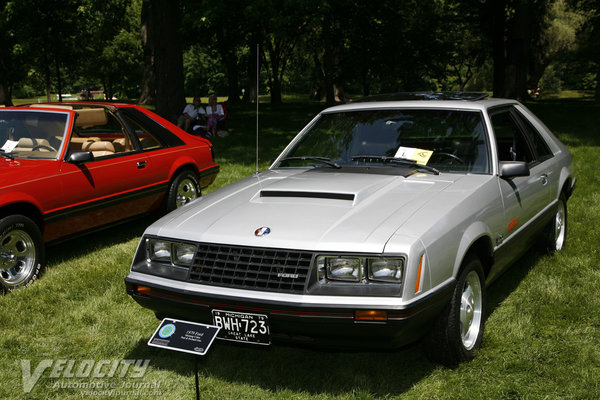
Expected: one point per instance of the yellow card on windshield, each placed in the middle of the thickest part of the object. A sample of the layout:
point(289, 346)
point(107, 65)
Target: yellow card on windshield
point(421, 156)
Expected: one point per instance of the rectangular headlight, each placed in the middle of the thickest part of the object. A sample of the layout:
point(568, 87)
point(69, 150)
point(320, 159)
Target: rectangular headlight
point(164, 251)
point(183, 253)
point(385, 269)
point(158, 250)
point(360, 269)
point(341, 268)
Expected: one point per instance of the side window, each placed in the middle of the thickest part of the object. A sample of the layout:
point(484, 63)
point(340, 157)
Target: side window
point(510, 140)
point(146, 139)
point(99, 131)
point(540, 147)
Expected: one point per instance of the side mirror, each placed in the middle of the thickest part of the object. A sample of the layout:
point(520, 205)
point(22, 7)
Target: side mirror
point(79, 157)
point(511, 169)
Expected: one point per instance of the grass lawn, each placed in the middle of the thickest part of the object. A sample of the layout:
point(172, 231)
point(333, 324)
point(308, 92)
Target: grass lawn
point(542, 338)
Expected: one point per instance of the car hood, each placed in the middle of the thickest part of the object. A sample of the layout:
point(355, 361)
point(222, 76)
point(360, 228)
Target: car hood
point(323, 211)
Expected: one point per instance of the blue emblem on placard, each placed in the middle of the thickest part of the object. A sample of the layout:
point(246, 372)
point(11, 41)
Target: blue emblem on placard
point(262, 231)
point(166, 331)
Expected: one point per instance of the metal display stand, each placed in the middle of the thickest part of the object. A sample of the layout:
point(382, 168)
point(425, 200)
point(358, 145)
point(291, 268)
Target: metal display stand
point(187, 337)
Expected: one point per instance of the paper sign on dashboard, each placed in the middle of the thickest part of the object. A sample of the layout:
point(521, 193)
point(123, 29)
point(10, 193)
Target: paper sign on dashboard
point(9, 146)
point(421, 156)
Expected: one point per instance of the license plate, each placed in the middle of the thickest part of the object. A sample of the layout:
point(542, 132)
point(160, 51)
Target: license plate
point(242, 327)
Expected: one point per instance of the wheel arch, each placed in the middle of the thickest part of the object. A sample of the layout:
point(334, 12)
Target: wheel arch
point(184, 165)
point(566, 183)
point(476, 240)
point(484, 250)
point(169, 201)
point(26, 209)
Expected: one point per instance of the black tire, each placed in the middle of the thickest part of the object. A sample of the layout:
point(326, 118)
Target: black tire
point(556, 232)
point(21, 252)
point(458, 330)
point(184, 188)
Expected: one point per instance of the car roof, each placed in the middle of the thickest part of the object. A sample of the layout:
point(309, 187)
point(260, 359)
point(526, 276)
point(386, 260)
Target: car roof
point(424, 100)
point(75, 105)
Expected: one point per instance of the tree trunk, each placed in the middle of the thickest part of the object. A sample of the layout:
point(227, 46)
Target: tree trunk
point(5, 95)
point(162, 29)
point(148, 93)
point(5, 98)
point(518, 51)
point(251, 83)
point(272, 66)
point(233, 89)
point(231, 65)
point(317, 91)
point(497, 18)
point(597, 94)
point(276, 92)
point(47, 79)
point(331, 58)
point(108, 90)
point(58, 77)
point(511, 41)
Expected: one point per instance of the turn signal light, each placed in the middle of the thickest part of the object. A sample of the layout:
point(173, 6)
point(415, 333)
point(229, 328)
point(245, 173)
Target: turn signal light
point(370, 315)
point(143, 290)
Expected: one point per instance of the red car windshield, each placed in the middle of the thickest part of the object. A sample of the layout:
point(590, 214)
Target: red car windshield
point(32, 133)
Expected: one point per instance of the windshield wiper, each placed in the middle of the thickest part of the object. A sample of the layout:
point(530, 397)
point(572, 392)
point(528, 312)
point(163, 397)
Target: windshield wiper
point(396, 160)
point(6, 155)
point(324, 160)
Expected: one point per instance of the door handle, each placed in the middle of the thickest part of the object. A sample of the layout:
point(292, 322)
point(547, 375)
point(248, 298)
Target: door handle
point(142, 164)
point(544, 179)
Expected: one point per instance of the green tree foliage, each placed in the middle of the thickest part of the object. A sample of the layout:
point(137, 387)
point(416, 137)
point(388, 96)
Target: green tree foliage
point(215, 35)
point(588, 50)
point(559, 39)
point(111, 46)
point(526, 38)
point(10, 54)
point(283, 23)
point(46, 31)
point(60, 45)
point(161, 51)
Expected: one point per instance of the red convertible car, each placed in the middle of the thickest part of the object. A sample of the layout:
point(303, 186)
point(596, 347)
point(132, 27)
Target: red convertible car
point(72, 167)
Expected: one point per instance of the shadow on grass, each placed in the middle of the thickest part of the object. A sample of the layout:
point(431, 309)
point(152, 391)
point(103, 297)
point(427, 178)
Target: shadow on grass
point(83, 244)
point(500, 289)
point(277, 368)
point(331, 373)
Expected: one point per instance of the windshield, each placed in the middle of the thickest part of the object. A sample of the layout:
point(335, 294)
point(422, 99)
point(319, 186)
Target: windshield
point(32, 134)
point(447, 140)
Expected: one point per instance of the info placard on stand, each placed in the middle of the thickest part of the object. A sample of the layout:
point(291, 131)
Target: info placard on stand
point(185, 336)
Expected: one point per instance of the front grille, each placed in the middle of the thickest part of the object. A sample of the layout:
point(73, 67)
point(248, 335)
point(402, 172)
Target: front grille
point(284, 271)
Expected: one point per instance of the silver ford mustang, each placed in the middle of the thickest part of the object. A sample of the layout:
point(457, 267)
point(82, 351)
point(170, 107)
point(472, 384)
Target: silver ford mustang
point(382, 222)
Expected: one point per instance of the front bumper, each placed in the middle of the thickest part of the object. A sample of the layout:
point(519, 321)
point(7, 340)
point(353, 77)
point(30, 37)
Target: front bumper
point(302, 319)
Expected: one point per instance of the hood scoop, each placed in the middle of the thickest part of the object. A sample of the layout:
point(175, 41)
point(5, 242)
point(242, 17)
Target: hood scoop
point(305, 194)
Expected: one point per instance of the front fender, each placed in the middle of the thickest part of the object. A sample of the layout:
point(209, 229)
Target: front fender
point(473, 233)
point(21, 203)
point(13, 198)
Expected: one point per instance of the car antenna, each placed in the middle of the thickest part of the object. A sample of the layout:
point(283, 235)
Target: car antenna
point(257, 90)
